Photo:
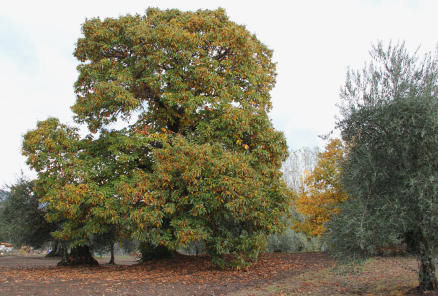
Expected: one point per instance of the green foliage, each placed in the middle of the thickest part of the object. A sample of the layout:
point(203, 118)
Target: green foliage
point(391, 169)
point(175, 63)
point(22, 217)
point(291, 241)
point(4, 237)
point(205, 193)
point(201, 162)
point(75, 180)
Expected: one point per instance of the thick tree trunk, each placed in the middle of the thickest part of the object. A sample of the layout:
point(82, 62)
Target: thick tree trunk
point(79, 256)
point(426, 276)
point(112, 261)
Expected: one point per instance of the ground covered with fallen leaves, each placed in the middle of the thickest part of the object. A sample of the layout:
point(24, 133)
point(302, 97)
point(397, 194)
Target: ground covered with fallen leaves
point(273, 274)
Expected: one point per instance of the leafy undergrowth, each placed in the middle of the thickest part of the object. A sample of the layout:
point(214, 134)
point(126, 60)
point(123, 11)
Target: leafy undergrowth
point(273, 274)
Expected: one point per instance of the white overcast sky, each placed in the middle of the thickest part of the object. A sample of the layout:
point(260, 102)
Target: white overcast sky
point(313, 41)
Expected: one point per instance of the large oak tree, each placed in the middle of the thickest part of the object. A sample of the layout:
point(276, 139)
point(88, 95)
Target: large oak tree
point(180, 148)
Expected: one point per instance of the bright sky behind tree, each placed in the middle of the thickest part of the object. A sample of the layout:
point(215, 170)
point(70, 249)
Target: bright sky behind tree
point(314, 43)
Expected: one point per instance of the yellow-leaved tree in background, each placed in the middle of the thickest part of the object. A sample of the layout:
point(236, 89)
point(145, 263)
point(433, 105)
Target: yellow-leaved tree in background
point(321, 193)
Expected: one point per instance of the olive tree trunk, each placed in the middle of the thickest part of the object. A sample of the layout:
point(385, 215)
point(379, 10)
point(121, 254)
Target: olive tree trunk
point(426, 275)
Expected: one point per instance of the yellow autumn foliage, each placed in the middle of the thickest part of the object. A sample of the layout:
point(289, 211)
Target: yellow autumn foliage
point(321, 192)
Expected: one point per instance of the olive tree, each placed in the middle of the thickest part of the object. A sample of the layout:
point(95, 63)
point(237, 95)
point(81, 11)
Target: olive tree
point(389, 123)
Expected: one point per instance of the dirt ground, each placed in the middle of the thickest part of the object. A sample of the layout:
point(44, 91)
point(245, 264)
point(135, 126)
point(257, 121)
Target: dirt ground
point(23, 262)
point(273, 274)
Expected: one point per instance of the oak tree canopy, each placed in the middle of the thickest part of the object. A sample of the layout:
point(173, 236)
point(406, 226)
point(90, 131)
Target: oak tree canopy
point(180, 146)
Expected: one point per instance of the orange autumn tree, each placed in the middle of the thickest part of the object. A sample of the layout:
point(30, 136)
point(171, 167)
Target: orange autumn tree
point(321, 192)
